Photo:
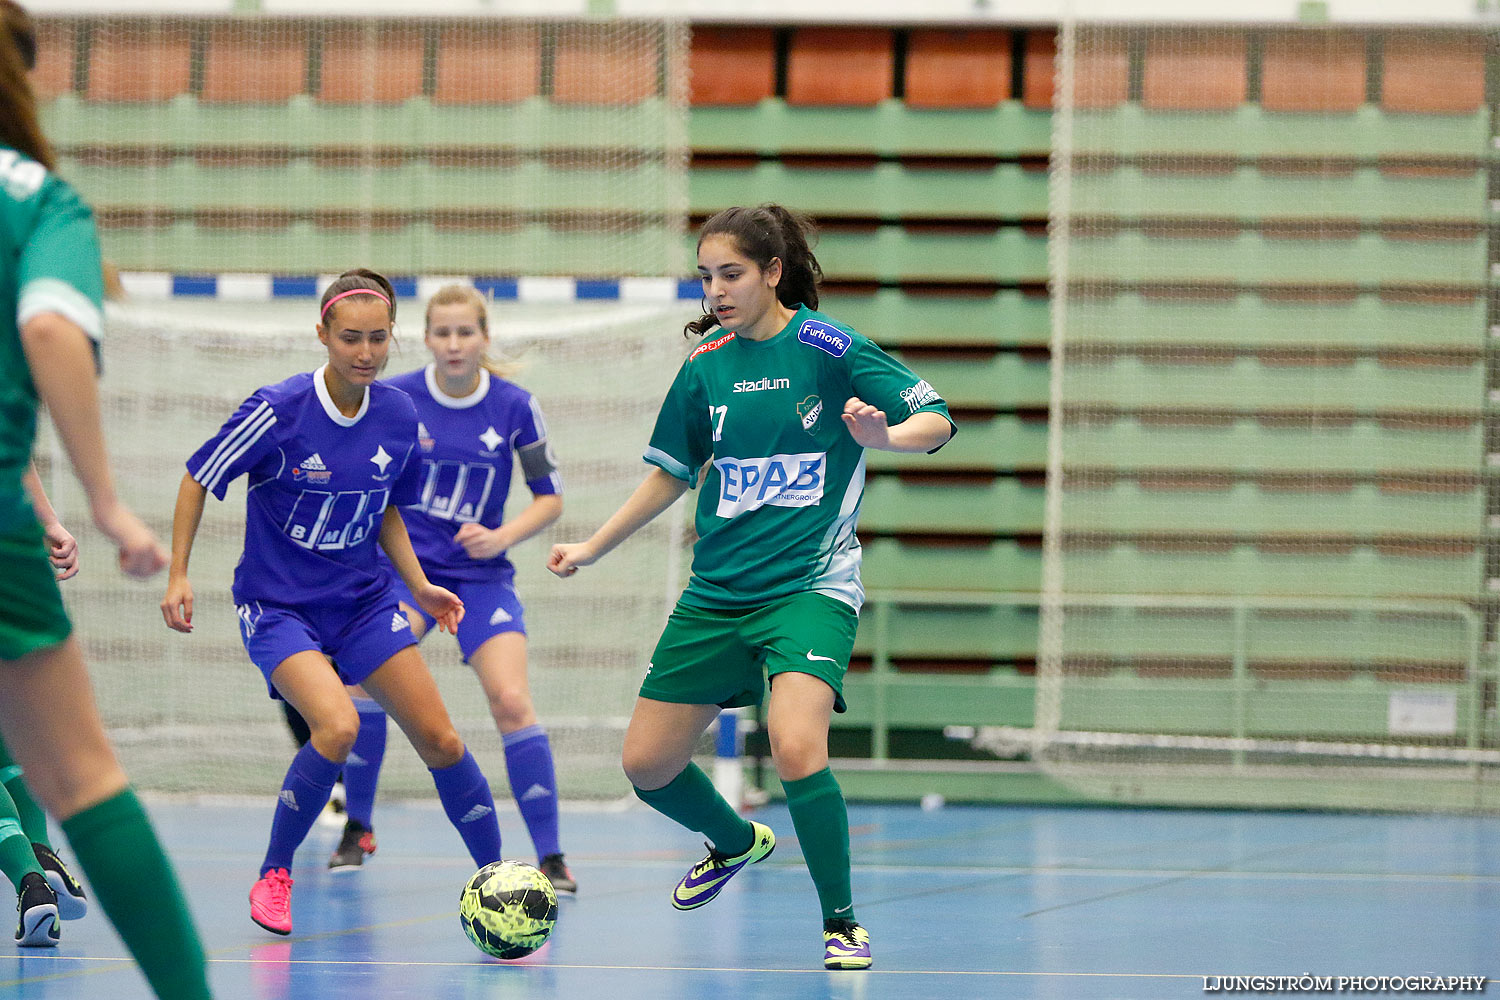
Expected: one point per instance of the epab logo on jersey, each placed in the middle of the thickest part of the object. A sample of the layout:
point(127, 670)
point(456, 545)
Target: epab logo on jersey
point(825, 337)
point(747, 484)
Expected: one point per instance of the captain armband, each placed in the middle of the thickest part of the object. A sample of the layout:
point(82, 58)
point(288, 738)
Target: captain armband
point(537, 460)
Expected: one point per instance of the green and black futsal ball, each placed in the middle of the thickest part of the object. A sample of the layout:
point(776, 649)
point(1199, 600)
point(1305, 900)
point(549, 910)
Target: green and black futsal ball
point(508, 909)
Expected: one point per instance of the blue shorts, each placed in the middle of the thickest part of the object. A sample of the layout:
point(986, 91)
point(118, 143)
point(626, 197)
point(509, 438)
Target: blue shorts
point(357, 645)
point(490, 607)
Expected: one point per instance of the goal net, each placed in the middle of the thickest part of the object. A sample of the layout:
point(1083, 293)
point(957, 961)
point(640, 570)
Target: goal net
point(302, 145)
point(1267, 560)
point(190, 713)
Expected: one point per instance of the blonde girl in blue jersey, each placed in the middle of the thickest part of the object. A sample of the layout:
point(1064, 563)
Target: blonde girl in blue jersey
point(471, 418)
point(51, 292)
point(751, 415)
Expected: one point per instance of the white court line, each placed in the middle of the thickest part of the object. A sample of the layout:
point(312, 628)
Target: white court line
point(394, 963)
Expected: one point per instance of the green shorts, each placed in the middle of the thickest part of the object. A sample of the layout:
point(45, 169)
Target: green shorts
point(722, 656)
point(31, 606)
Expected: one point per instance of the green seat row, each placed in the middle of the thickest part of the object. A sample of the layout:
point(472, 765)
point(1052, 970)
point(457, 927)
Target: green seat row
point(999, 443)
point(1002, 381)
point(1247, 320)
point(305, 248)
point(893, 253)
point(933, 701)
point(1250, 194)
point(302, 185)
point(1248, 383)
point(1005, 632)
point(884, 190)
point(1368, 133)
point(889, 128)
point(416, 125)
point(1354, 571)
point(1001, 565)
point(1007, 506)
point(893, 317)
point(1369, 637)
point(1307, 708)
point(1244, 509)
point(1124, 567)
point(1364, 447)
point(1001, 506)
point(1254, 258)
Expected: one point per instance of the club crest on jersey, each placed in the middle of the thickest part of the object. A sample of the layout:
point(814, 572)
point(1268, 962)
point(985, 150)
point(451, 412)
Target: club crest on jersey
point(491, 441)
point(809, 410)
point(712, 345)
point(747, 484)
point(425, 440)
point(312, 470)
point(825, 337)
point(381, 461)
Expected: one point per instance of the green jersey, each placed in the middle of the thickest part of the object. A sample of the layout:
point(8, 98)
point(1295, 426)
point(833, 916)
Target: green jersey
point(782, 477)
point(51, 255)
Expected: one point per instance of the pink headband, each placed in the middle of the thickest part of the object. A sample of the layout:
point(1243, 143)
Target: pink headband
point(353, 291)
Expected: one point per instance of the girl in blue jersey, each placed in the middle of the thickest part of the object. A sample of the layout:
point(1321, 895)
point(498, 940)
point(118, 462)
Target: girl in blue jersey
point(473, 426)
point(331, 458)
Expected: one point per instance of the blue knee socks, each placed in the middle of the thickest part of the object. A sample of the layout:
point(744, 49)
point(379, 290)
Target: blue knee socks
point(362, 769)
point(528, 762)
point(470, 807)
point(303, 795)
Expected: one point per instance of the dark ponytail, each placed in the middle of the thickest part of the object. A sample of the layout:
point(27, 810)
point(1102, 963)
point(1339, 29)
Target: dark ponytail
point(19, 127)
point(357, 279)
point(764, 234)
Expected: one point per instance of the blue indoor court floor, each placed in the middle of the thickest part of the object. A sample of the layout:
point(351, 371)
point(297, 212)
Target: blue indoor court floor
point(961, 902)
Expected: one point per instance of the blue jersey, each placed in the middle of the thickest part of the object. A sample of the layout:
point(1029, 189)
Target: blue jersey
point(468, 446)
point(319, 484)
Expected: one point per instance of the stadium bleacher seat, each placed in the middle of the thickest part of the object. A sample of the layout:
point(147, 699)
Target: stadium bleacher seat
point(487, 64)
point(254, 63)
point(732, 65)
point(56, 56)
point(1313, 71)
point(1194, 71)
point(840, 67)
point(139, 63)
point(1437, 73)
point(589, 68)
point(379, 63)
point(957, 69)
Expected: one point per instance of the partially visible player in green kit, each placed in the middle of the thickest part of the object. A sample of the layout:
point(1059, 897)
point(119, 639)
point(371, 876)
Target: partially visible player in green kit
point(774, 412)
point(51, 287)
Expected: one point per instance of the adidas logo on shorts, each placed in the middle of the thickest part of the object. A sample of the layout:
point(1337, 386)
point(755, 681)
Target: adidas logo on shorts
point(397, 622)
point(500, 615)
point(478, 812)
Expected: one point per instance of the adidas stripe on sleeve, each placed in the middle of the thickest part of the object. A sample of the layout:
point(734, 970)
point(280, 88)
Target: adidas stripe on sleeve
point(242, 442)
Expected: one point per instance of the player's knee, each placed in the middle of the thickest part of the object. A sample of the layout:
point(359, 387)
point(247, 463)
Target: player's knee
point(512, 709)
point(440, 748)
point(797, 755)
point(334, 737)
point(645, 770)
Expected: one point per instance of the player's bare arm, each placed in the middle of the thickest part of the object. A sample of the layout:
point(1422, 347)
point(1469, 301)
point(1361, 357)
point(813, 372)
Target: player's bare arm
point(487, 543)
point(919, 432)
point(62, 366)
point(438, 602)
point(62, 547)
point(177, 604)
point(658, 491)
